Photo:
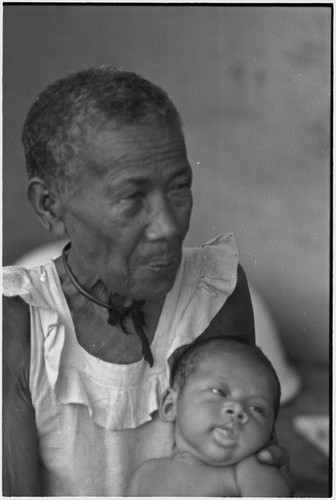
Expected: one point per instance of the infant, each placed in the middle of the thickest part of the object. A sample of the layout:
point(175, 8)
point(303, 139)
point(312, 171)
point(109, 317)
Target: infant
point(223, 399)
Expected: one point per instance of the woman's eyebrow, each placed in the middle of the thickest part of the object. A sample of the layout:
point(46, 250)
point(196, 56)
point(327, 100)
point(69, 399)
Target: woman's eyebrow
point(142, 178)
point(122, 184)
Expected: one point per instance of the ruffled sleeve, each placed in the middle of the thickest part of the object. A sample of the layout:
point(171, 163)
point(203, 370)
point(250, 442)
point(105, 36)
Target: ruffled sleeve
point(28, 284)
point(208, 277)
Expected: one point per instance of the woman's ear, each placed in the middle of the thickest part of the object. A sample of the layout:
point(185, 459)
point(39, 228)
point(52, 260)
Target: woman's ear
point(47, 205)
point(167, 410)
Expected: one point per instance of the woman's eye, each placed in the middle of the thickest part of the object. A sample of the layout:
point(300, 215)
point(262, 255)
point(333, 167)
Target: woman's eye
point(180, 187)
point(219, 392)
point(134, 195)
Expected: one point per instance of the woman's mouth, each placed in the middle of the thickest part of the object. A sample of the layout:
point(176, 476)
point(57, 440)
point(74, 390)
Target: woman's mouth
point(163, 263)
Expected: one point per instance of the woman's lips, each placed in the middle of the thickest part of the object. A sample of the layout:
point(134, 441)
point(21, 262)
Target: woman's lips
point(163, 263)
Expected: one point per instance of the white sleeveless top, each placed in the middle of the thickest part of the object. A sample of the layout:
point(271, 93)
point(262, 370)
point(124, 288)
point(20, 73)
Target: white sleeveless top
point(97, 421)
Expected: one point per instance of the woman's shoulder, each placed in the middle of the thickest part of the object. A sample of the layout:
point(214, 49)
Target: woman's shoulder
point(37, 286)
point(17, 279)
point(212, 266)
point(206, 280)
point(220, 247)
point(22, 288)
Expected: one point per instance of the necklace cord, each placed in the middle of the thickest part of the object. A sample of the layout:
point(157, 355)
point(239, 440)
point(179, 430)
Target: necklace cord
point(117, 313)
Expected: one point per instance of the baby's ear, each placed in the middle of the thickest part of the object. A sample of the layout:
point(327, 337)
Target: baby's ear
point(167, 410)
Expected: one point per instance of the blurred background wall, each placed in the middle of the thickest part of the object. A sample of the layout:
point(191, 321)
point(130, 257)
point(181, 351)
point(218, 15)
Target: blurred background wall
point(252, 84)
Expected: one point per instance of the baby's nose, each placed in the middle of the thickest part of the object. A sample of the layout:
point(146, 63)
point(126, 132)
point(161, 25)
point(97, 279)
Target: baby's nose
point(236, 410)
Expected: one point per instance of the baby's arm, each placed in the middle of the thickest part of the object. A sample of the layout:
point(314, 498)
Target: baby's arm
point(143, 476)
point(257, 480)
point(133, 488)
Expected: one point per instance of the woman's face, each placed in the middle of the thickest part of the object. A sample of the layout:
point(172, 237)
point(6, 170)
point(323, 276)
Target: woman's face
point(130, 211)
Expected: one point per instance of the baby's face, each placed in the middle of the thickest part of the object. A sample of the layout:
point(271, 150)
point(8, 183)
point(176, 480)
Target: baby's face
point(225, 411)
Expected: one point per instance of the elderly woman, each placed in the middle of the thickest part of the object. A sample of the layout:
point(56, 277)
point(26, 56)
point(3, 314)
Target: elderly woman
point(89, 337)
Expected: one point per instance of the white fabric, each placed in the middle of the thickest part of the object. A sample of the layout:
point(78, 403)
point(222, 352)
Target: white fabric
point(97, 421)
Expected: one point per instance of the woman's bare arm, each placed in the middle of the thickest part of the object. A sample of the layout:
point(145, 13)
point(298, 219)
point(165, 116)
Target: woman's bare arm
point(236, 315)
point(19, 436)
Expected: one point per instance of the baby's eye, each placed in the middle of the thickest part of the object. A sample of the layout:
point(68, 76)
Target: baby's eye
point(258, 409)
point(219, 392)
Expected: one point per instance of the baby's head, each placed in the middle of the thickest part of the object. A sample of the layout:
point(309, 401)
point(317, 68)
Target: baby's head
point(224, 397)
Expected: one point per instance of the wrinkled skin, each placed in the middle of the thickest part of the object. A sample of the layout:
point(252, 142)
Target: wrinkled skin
point(130, 212)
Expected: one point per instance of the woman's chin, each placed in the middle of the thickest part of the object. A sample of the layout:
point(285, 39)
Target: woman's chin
point(153, 286)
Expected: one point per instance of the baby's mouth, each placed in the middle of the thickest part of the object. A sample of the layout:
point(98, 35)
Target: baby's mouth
point(226, 433)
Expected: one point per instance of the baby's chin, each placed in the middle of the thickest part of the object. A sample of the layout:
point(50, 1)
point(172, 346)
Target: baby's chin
point(223, 457)
point(225, 460)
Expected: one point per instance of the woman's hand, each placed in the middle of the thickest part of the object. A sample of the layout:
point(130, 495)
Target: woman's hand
point(273, 454)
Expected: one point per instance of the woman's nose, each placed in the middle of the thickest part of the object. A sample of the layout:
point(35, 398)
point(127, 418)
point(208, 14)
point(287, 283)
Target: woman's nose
point(236, 410)
point(162, 223)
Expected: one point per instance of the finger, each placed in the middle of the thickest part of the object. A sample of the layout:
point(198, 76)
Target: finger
point(274, 455)
point(265, 456)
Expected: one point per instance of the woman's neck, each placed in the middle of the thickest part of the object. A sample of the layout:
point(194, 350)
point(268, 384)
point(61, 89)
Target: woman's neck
point(73, 269)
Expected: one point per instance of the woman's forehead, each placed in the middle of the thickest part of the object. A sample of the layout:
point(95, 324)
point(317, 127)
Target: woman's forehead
point(132, 142)
point(114, 157)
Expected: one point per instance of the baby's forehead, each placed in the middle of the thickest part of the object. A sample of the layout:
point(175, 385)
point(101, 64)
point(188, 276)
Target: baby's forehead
point(229, 349)
point(232, 355)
